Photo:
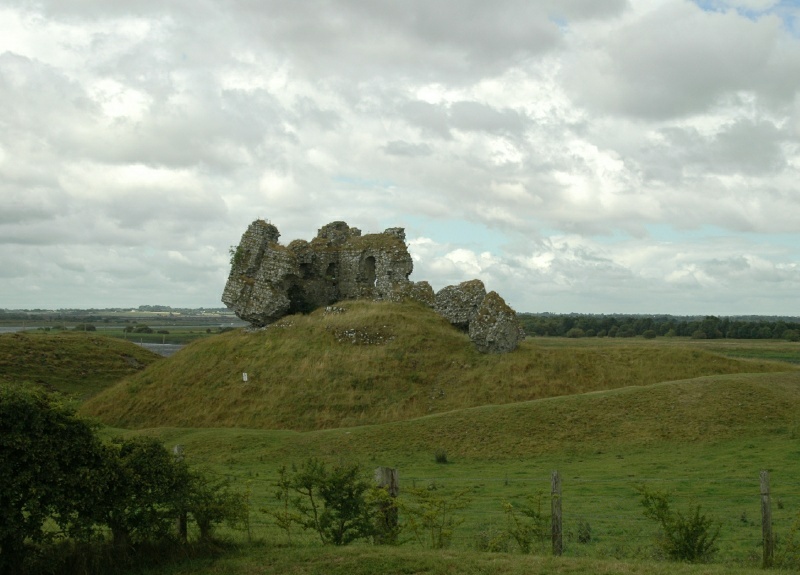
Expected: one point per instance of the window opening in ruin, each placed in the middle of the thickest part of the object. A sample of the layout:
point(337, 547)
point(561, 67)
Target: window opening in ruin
point(297, 300)
point(369, 271)
point(331, 273)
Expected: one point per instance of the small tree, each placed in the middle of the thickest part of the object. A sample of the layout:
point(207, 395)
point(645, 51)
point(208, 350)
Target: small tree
point(213, 501)
point(146, 489)
point(47, 458)
point(527, 523)
point(432, 515)
point(331, 501)
point(690, 537)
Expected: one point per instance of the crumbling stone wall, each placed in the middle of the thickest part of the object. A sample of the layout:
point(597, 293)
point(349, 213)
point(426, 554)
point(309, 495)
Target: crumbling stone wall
point(268, 281)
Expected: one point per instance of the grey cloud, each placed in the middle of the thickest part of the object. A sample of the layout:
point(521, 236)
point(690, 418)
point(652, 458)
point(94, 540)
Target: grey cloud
point(744, 147)
point(431, 118)
point(474, 116)
point(681, 60)
point(407, 149)
point(466, 116)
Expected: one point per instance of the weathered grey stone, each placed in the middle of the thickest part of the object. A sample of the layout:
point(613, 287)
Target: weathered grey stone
point(268, 281)
point(417, 291)
point(459, 304)
point(495, 328)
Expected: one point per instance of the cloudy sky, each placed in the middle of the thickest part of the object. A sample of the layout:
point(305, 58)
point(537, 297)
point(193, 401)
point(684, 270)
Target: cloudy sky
point(597, 156)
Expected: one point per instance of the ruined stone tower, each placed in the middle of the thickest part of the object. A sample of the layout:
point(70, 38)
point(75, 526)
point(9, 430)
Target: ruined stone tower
point(268, 281)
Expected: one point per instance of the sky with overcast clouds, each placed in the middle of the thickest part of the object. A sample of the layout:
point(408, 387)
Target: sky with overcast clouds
point(596, 156)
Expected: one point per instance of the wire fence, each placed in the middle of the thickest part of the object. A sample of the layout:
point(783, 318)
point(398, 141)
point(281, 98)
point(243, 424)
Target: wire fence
point(601, 517)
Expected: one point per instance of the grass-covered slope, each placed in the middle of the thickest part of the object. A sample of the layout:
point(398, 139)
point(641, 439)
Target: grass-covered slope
point(373, 363)
point(76, 364)
point(706, 410)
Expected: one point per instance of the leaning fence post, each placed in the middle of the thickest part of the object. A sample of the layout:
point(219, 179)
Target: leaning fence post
point(555, 514)
point(387, 479)
point(766, 521)
point(181, 522)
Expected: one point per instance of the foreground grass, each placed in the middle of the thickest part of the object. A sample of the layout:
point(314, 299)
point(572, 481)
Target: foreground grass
point(360, 560)
point(704, 440)
point(377, 363)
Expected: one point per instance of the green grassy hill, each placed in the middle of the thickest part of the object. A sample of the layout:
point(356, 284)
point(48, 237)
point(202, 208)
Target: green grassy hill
point(375, 363)
point(393, 384)
point(705, 440)
point(74, 363)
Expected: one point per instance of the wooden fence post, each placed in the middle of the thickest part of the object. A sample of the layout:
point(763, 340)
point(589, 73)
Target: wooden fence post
point(555, 514)
point(766, 521)
point(182, 521)
point(387, 478)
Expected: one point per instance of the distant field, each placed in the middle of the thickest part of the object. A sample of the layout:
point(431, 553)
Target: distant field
point(759, 349)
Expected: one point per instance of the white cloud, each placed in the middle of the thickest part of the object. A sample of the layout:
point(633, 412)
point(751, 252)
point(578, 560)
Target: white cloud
point(140, 139)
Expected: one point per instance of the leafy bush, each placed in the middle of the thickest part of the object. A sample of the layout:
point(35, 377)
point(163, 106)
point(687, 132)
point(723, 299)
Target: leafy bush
point(431, 514)
point(55, 472)
point(47, 458)
point(493, 540)
point(331, 501)
point(440, 456)
point(584, 532)
point(212, 501)
point(689, 537)
point(527, 523)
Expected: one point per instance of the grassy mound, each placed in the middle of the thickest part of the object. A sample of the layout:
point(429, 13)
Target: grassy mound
point(705, 440)
point(74, 363)
point(363, 363)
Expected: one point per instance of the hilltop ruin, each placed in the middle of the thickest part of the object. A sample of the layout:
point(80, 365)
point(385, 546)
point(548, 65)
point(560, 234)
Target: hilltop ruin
point(268, 281)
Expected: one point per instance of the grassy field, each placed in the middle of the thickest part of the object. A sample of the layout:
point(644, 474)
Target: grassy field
point(360, 560)
point(377, 363)
point(391, 385)
point(707, 447)
point(74, 363)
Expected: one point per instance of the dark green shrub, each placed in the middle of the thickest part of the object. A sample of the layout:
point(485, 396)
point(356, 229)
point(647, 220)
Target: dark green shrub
point(331, 501)
point(211, 502)
point(440, 456)
point(431, 514)
point(690, 537)
point(492, 540)
point(584, 532)
point(526, 524)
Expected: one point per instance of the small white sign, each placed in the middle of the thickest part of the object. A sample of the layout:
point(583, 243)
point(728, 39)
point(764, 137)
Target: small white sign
point(244, 377)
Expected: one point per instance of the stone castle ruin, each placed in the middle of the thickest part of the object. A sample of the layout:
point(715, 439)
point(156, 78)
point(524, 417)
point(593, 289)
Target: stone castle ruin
point(268, 281)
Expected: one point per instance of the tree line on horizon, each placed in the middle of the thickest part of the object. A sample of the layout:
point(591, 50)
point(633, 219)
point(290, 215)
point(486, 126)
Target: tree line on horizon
point(708, 327)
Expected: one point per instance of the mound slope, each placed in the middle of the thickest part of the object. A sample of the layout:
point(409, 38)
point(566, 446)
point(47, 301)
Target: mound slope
point(77, 364)
point(364, 363)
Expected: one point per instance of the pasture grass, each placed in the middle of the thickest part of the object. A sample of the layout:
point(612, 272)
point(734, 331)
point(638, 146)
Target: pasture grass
point(76, 364)
point(704, 440)
point(266, 559)
point(379, 362)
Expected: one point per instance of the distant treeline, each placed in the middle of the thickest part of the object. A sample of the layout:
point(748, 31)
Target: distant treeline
point(709, 327)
